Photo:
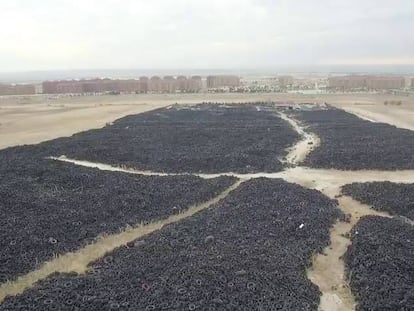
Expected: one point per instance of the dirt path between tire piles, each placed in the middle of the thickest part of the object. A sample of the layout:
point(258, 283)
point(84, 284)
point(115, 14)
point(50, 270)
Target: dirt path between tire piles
point(78, 262)
point(328, 269)
point(298, 152)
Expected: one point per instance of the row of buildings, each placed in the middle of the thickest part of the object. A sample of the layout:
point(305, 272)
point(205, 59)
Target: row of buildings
point(17, 89)
point(214, 82)
point(168, 84)
point(155, 84)
point(193, 84)
point(367, 82)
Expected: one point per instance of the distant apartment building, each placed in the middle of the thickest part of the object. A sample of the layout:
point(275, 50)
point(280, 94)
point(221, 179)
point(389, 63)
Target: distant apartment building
point(17, 89)
point(50, 87)
point(155, 84)
point(385, 83)
point(182, 83)
point(366, 82)
point(169, 84)
point(144, 83)
point(195, 84)
point(348, 82)
point(188, 85)
point(285, 81)
point(222, 81)
point(94, 86)
point(69, 87)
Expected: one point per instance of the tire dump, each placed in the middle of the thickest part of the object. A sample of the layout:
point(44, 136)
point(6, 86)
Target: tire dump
point(200, 209)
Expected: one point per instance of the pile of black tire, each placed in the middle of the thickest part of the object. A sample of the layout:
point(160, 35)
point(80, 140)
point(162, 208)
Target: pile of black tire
point(208, 138)
point(50, 207)
point(250, 252)
point(350, 143)
point(380, 260)
point(394, 198)
point(380, 264)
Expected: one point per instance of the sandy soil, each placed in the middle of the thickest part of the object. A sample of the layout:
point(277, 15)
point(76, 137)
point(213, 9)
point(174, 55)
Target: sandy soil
point(400, 116)
point(39, 120)
point(32, 119)
point(299, 152)
point(328, 271)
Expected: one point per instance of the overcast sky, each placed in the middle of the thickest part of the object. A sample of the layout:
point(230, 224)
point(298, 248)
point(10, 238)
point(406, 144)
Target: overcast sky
point(83, 34)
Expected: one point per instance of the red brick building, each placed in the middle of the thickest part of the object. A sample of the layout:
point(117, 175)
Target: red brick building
point(222, 81)
point(169, 84)
point(17, 89)
point(366, 82)
point(384, 83)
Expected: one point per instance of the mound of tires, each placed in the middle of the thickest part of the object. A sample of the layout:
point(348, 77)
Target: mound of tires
point(350, 143)
point(394, 198)
point(380, 263)
point(249, 252)
point(207, 138)
point(50, 208)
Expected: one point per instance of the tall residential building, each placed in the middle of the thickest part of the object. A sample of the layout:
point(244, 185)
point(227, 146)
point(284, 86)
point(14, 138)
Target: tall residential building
point(17, 89)
point(94, 86)
point(348, 82)
point(169, 84)
point(285, 81)
point(155, 84)
point(368, 82)
point(144, 82)
point(195, 84)
point(222, 81)
point(384, 83)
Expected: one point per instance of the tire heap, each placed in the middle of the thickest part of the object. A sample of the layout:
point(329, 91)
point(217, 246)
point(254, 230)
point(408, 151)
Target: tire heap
point(394, 198)
point(380, 263)
point(350, 143)
point(207, 138)
point(250, 252)
point(50, 207)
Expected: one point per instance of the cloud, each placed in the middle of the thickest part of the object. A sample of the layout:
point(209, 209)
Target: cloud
point(72, 34)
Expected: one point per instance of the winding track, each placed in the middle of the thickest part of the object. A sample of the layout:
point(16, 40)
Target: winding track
point(328, 268)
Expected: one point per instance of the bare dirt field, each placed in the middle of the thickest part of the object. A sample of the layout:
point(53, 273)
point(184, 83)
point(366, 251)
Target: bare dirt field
point(32, 119)
point(400, 116)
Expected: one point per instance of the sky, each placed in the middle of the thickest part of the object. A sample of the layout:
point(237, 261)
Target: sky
point(125, 34)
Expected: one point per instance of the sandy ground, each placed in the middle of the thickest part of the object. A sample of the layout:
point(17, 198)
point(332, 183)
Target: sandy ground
point(298, 153)
point(400, 116)
point(32, 119)
point(37, 120)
